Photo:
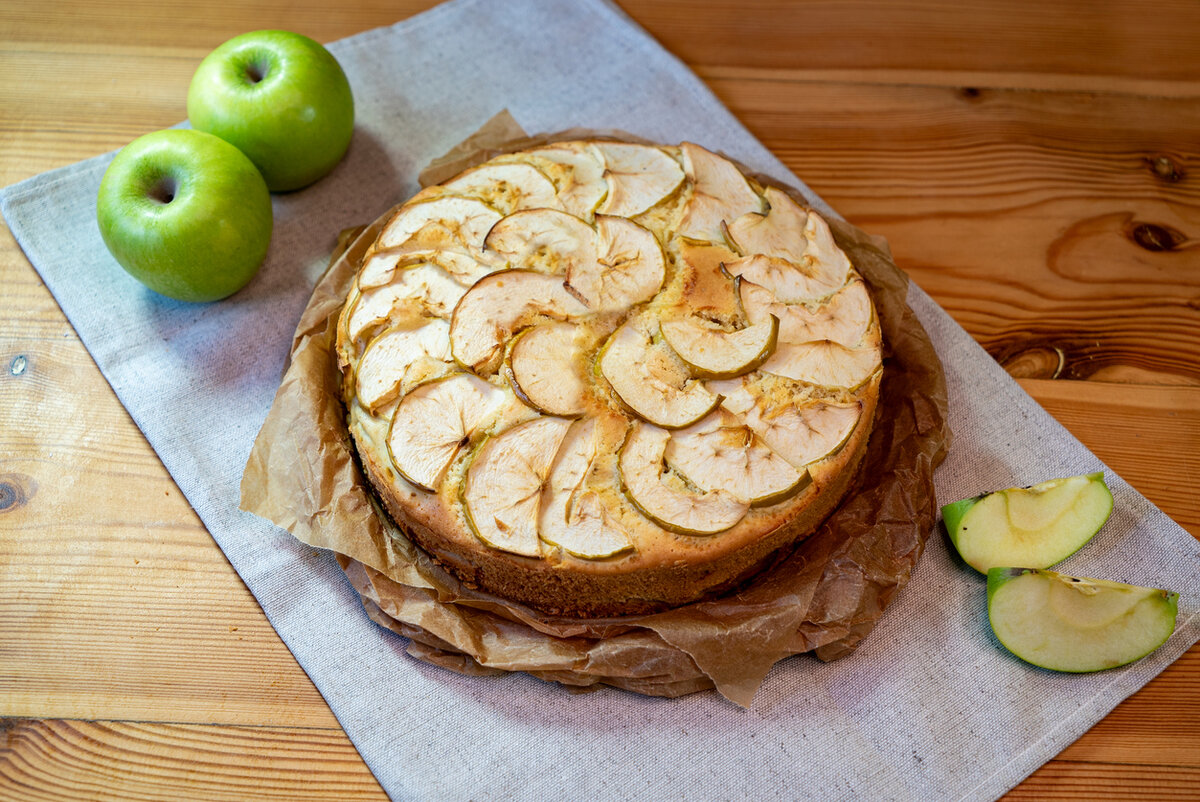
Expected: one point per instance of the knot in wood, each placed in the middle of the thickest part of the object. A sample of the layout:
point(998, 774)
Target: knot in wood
point(10, 496)
point(1155, 237)
point(15, 490)
point(1165, 168)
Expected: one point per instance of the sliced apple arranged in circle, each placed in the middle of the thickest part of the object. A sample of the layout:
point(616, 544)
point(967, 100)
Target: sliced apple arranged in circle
point(422, 291)
point(775, 262)
point(720, 193)
point(628, 267)
point(711, 352)
point(499, 305)
point(1075, 624)
point(1033, 527)
point(650, 379)
point(545, 367)
point(780, 233)
point(802, 432)
point(788, 283)
point(582, 186)
point(507, 187)
point(638, 176)
point(574, 517)
point(443, 222)
point(826, 363)
point(844, 318)
point(663, 497)
point(433, 422)
point(380, 267)
point(400, 355)
point(721, 453)
point(547, 240)
point(502, 490)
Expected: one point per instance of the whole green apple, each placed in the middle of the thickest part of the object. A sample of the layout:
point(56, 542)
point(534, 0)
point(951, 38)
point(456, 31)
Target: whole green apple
point(282, 99)
point(186, 214)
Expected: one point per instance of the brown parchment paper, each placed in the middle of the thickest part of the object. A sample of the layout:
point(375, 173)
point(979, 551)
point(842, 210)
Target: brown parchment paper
point(824, 597)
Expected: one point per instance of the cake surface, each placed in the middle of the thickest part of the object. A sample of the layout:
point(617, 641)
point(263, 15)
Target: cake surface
point(600, 378)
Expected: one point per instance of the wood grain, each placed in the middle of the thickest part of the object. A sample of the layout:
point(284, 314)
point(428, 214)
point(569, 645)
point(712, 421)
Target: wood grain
point(110, 760)
point(1034, 167)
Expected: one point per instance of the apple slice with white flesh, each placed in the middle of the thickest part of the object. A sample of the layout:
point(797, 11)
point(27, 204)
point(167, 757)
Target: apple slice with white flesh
point(1076, 624)
point(1033, 527)
point(628, 266)
point(651, 380)
point(787, 282)
point(574, 517)
point(844, 318)
point(779, 233)
point(713, 353)
point(434, 421)
point(392, 356)
point(423, 290)
point(502, 491)
point(721, 453)
point(582, 187)
point(506, 187)
point(665, 498)
point(802, 432)
point(381, 266)
point(546, 240)
point(638, 176)
point(825, 363)
point(545, 368)
point(720, 193)
point(441, 222)
point(499, 305)
point(821, 269)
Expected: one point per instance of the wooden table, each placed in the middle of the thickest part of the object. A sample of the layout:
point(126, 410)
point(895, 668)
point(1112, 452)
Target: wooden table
point(1035, 165)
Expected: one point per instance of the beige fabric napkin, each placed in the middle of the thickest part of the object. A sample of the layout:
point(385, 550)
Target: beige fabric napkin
point(929, 707)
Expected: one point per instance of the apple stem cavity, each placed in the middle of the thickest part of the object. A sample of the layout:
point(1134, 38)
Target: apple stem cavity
point(256, 71)
point(163, 190)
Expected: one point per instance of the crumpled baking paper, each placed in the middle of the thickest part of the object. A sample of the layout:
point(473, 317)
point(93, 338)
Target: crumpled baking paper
point(823, 597)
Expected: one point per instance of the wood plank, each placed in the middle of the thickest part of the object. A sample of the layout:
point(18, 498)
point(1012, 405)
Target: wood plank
point(1078, 212)
point(1077, 37)
point(122, 760)
point(1085, 221)
point(1140, 41)
point(1158, 451)
point(1159, 725)
point(918, 135)
point(100, 552)
point(1114, 783)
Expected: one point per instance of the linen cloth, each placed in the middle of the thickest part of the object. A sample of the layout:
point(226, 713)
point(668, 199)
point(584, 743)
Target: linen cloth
point(929, 707)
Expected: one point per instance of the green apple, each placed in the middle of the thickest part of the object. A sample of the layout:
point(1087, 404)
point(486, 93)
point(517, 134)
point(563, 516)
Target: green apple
point(1069, 623)
point(186, 214)
point(282, 99)
point(1034, 527)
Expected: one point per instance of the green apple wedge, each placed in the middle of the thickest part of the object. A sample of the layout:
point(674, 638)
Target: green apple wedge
point(1034, 527)
point(1075, 624)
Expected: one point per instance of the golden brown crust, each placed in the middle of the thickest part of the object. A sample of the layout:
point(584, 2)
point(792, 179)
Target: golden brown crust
point(648, 581)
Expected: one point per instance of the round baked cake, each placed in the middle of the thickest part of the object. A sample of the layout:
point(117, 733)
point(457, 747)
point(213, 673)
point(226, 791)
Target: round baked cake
point(600, 378)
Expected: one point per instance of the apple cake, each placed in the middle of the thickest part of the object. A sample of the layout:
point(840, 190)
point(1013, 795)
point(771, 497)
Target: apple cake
point(599, 378)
